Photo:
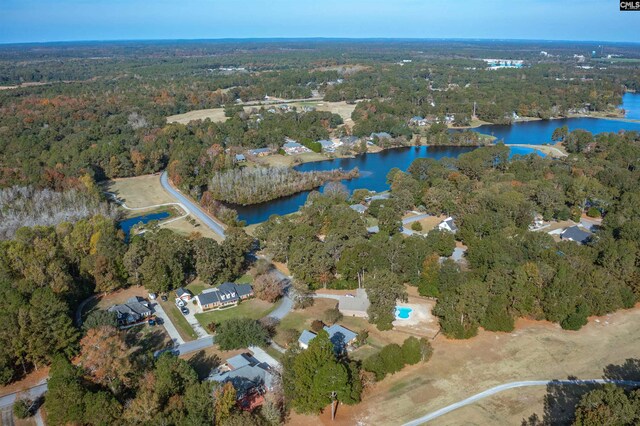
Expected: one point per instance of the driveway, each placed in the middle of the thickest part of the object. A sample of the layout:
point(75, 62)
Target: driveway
point(168, 325)
point(193, 322)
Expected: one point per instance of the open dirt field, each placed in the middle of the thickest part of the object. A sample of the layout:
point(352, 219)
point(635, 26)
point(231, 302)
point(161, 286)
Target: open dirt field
point(142, 191)
point(215, 114)
point(343, 109)
point(458, 369)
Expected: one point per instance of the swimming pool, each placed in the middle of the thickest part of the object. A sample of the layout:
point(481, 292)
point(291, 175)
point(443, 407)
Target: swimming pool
point(403, 312)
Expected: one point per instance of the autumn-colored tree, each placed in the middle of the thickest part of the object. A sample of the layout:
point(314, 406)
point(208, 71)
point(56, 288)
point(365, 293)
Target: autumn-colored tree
point(225, 397)
point(105, 357)
point(268, 287)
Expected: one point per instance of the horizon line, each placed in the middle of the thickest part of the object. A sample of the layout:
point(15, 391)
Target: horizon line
point(316, 38)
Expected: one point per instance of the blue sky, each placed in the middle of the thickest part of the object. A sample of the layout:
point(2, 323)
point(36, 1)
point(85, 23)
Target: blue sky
point(61, 20)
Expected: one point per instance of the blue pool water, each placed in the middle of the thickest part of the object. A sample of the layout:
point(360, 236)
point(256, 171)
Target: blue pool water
point(127, 224)
point(402, 312)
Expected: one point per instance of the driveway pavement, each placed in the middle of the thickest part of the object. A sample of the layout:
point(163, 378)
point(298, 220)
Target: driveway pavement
point(193, 322)
point(167, 324)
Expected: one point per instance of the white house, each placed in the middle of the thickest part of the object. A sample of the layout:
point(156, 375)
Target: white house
point(448, 225)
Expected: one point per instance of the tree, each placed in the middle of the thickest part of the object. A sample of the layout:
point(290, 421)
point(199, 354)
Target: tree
point(608, 405)
point(225, 402)
point(101, 408)
point(239, 333)
point(105, 357)
point(168, 261)
point(411, 351)
point(209, 260)
point(172, 377)
point(64, 401)
point(428, 285)
point(22, 408)
point(313, 377)
point(100, 318)
point(332, 315)
point(199, 403)
point(383, 290)
point(268, 287)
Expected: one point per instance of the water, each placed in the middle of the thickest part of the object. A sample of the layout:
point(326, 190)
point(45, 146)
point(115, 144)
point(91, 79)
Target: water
point(374, 167)
point(539, 132)
point(631, 104)
point(127, 224)
point(402, 312)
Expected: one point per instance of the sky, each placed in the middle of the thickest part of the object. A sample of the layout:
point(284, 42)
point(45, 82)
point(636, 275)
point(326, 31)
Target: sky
point(72, 20)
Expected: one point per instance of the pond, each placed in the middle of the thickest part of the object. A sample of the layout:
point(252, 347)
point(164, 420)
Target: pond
point(127, 224)
point(374, 167)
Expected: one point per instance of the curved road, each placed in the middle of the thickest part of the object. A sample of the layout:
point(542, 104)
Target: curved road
point(191, 207)
point(497, 389)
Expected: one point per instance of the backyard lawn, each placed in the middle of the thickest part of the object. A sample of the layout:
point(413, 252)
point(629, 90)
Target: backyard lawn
point(254, 308)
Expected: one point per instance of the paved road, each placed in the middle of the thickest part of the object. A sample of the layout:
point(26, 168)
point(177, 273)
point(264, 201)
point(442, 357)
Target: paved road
point(191, 207)
point(168, 325)
point(497, 389)
point(32, 393)
point(80, 308)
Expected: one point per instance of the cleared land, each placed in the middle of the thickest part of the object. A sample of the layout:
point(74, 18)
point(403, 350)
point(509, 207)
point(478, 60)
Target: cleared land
point(343, 109)
point(143, 191)
point(536, 350)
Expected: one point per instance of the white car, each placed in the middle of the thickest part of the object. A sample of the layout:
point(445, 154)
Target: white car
point(180, 303)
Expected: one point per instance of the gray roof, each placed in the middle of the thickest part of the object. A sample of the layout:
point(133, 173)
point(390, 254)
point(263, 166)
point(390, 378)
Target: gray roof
point(325, 143)
point(576, 234)
point(416, 118)
point(339, 336)
point(306, 337)
point(258, 151)
point(133, 310)
point(380, 135)
point(349, 139)
point(359, 303)
point(240, 157)
point(451, 224)
point(225, 293)
point(246, 378)
point(182, 291)
point(241, 360)
point(292, 145)
point(359, 208)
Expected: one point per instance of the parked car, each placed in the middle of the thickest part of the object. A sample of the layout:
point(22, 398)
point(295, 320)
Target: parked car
point(184, 310)
point(179, 303)
point(164, 298)
point(152, 322)
point(152, 296)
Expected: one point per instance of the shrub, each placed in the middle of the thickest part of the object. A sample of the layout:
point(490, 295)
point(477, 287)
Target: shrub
point(593, 212)
point(289, 336)
point(239, 333)
point(563, 213)
point(22, 408)
point(212, 327)
point(392, 358)
point(576, 320)
point(411, 352)
point(361, 338)
point(332, 316)
point(426, 350)
point(416, 226)
point(317, 325)
point(375, 365)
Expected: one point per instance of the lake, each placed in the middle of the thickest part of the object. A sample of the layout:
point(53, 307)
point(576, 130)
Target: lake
point(374, 167)
point(127, 224)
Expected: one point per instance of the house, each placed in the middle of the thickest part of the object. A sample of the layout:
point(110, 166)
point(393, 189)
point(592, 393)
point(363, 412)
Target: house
point(340, 336)
point(448, 225)
point(418, 121)
point(355, 305)
point(225, 294)
point(379, 135)
point(135, 310)
point(184, 294)
point(359, 208)
point(250, 378)
point(239, 158)
point(574, 233)
point(327, 146)
point(259, 152)
point(308, 108)
point(349, 140)
point(292, 147)
point(382, 196)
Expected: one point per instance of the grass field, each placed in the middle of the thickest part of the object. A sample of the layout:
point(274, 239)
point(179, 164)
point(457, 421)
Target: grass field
point(536, 350)
point(146, 191)
point(254, 308)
